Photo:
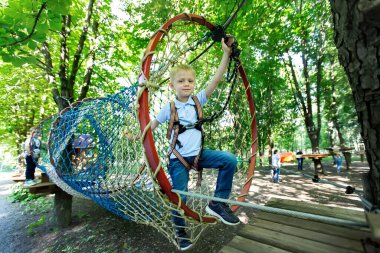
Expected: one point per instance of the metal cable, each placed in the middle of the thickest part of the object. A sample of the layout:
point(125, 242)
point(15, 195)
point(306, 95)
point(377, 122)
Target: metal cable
point(295, 214)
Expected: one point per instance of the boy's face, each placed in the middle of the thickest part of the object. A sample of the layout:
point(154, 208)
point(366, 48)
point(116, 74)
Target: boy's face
point(183, 84)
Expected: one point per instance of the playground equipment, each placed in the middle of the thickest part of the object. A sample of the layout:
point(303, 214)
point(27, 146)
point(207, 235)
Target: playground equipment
point(104, 149)
point(346, 152)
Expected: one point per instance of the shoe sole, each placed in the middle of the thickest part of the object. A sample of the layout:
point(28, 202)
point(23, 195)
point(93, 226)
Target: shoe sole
point(186, 248)
point(29, 185)
point(211, 212)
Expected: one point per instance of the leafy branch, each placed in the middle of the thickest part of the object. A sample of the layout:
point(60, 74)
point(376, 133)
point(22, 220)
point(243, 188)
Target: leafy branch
point(43, 6)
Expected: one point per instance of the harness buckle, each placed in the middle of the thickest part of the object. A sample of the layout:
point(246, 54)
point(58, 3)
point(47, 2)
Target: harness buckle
point(190, 126)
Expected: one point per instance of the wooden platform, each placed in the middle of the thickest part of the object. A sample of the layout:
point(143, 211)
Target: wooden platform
point(45, 187)
point(279, 233)
point(20, 178)
point(313, 156)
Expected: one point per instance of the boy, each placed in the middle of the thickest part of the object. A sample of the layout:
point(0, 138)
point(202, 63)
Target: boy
point(182, 80)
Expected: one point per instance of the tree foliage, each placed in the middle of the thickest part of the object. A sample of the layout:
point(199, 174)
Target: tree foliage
point(41, 39)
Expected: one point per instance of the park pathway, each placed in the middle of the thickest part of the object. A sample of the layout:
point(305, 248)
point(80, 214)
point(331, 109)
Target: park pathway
point(13, 223)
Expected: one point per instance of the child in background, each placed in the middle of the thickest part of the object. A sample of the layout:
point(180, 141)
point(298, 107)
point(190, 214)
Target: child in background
point(338, 161)
point(276, 164)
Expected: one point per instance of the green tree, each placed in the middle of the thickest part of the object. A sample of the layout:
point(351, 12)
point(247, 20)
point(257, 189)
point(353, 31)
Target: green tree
point(24, 103)
point(63, 39)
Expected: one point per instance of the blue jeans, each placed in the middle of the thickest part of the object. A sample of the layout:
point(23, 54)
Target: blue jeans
point(300, 163)
point(30, 167)
point(338, 166)
point(276, 175)
point(225, 162)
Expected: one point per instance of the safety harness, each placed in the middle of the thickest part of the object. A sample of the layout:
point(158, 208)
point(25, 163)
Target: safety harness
point(178, 128)
point(174, 125)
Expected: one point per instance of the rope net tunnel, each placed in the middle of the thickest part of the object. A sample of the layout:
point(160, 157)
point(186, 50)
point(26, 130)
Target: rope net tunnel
point(104, 149)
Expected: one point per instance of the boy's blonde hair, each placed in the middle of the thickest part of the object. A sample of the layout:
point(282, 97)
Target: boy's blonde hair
point(174, 71)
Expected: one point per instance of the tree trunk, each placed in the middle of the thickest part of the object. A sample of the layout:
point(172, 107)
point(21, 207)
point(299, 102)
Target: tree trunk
point(261, 153)
point(334, 111)
point(314, 139)
point(270, 151)
point(318, 168)
point(357, 36)
point(331, 137)
point(63, 200)
point(313, 130)
point(62, 208)
point(270, 113)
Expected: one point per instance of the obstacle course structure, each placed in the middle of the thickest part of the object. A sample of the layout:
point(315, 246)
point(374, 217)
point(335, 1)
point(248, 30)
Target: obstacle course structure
point(104, 149)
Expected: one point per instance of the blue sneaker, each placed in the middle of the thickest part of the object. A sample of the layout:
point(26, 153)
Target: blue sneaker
point(184, 243)
point(223, 212)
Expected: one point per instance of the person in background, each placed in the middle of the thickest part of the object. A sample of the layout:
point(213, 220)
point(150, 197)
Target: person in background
point(32, 153)
point(276, 164)
point(299, 159)
point(338, 161)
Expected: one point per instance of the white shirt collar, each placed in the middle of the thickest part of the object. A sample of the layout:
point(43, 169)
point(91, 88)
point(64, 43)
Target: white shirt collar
point(179, 104)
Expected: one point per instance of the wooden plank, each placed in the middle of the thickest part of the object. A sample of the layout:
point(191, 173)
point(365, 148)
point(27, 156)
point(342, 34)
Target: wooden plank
point(374, 224)
point(18, 179)
point(306, 207)
point(44, 190)
point(344, 232)
point(322, 237)
point(39, 185)
point(241, 244)
point(21, 178)
point(289, 242)
point(45, 187)
point(315, 156)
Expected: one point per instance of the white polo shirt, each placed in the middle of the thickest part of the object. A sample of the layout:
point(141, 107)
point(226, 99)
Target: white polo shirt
point(190, 139)
point(276, 161)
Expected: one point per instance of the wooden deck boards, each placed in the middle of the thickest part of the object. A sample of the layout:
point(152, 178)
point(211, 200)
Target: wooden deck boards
point(42, 188)
point(240, 244)
point(278, 233)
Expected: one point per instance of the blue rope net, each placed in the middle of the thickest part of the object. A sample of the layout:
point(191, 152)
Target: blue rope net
point(94, 152)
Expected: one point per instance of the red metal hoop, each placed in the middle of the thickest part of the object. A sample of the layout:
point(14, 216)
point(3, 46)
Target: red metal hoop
point(144, 119)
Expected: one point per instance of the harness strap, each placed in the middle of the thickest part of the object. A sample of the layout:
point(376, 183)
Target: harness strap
point(178, 129)
point(200, 119)
point(173, 113)
point(181, 159)
point(174, 123)
point(196, 159)
point(189, 167)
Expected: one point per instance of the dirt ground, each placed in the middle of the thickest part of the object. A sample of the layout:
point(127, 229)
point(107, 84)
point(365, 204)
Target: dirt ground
point(94, 229)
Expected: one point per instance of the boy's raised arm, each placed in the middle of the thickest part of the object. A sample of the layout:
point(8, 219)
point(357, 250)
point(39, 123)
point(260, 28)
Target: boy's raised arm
point(221, 69)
